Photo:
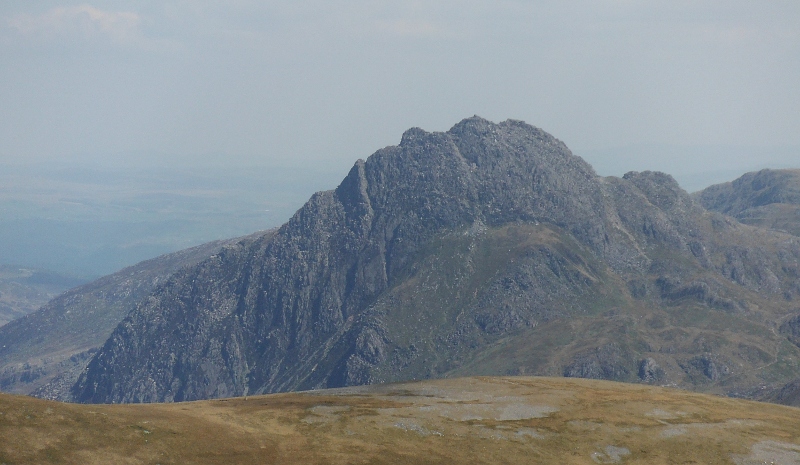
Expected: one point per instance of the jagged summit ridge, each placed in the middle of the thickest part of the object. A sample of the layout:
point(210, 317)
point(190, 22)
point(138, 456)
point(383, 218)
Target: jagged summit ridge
point(303, 286)
point(383, 279)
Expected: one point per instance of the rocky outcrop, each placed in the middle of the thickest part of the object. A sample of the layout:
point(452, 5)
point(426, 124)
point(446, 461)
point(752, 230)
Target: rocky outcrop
point(708, 365)
point(262, 317)
point(609, 361)
point(650, 371)
point(752, 190)
point(791, 329)
point(767, 198)
point(788, 394)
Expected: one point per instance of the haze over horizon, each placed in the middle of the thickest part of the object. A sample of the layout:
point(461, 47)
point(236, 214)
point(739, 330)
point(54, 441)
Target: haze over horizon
point(285, 97)
point(325, 83)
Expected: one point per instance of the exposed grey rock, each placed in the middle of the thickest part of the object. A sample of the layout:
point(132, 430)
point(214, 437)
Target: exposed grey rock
point(710, 366)
point(426, 257)
point(788, 394)
point(752, 190)
point(650, 371)
point(43, 353)
point(767, 198)
point(260, 318)
point(608, 361)
point(791, 328)
point(673, 290)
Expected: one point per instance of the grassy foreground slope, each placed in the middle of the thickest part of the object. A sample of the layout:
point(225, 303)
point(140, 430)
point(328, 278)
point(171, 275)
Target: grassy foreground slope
point(463, 421)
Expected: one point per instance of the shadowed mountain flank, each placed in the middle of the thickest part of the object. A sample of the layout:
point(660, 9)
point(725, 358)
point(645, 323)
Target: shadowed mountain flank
point(486, 249)
point(44, 352)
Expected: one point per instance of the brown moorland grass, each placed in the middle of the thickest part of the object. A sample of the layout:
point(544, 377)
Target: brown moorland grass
point(465, 421)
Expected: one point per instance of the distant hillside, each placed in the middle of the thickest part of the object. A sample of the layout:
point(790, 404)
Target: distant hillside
point(767, 198)
point(510, 420)
point(23, 290)
point(489, 249)
point(43, 352)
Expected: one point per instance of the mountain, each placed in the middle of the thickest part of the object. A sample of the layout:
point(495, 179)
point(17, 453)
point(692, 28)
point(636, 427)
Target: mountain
point(488, 249)
point(23, 290)
point(767, 198)
point(44, 352)
point(510, 420)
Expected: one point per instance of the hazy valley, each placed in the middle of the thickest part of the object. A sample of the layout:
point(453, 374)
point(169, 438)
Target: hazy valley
point(95, 217)
point(24, 290)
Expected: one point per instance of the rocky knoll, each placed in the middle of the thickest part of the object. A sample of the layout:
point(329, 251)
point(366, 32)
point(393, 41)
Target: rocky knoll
point(767, 198)
point(486, 249)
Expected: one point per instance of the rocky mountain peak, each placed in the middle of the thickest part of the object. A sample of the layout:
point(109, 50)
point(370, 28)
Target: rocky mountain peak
point(477, 170)
point(425, 255)
point(411, 135)
point(297, 295)
point(661, 189)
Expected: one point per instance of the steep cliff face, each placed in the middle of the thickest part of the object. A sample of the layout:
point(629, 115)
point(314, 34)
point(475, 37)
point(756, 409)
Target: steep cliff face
point(434, 257)
point(261, 316)
point(43, 353)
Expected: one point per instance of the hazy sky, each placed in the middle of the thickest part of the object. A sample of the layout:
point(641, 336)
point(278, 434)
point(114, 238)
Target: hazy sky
point(322, 83)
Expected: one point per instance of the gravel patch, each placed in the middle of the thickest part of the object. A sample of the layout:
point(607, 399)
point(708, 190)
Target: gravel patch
point(324, 413)
point(416, 428)
point(529, 432)
point(769, 453)
point(673, 431)
point(611, 454)
point(524, 412)
point(664, 415)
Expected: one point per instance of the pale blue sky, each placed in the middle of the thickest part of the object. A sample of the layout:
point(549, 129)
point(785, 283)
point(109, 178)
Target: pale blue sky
point(322, 83)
